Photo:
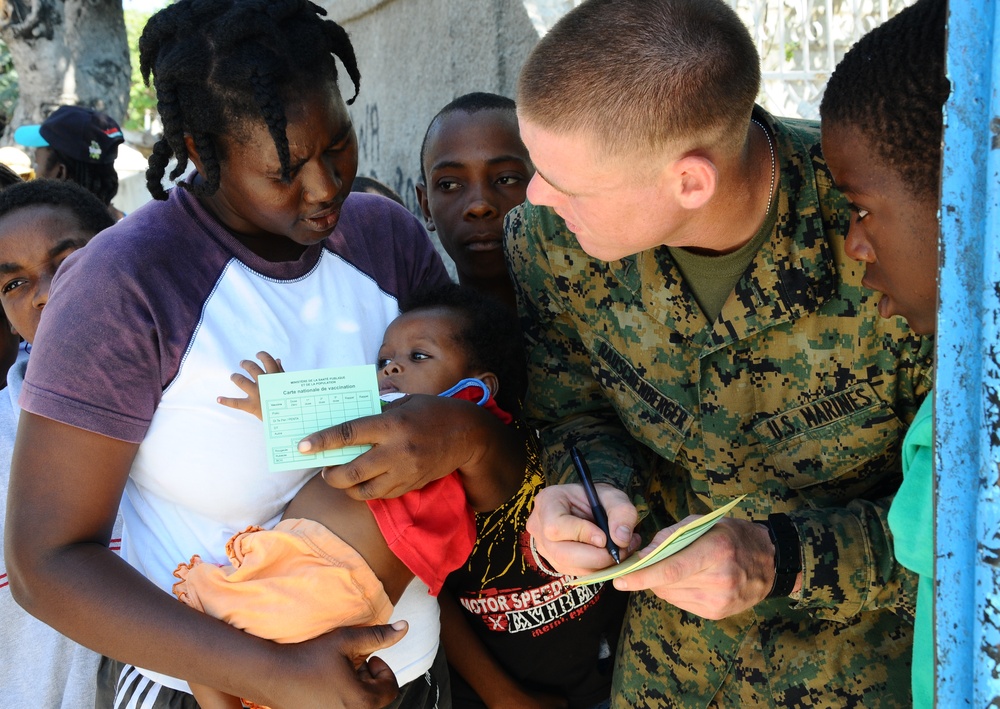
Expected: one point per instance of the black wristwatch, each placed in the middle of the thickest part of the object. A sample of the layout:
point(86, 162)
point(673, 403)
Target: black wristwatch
point(787, 555)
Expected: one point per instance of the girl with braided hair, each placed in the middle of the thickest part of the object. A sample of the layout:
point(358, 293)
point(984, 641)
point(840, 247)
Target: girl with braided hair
point(262, 245)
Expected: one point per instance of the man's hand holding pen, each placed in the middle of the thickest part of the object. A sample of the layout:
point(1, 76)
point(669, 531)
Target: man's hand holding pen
point(727, 570)
point(565, 533)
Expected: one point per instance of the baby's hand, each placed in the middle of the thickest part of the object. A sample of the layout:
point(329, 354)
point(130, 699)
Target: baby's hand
point(251, 404)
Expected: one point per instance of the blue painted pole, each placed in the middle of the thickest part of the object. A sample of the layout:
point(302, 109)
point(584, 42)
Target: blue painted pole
point(967, 390)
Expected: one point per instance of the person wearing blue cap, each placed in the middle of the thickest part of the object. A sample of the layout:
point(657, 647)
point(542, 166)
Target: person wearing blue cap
point(80, 145)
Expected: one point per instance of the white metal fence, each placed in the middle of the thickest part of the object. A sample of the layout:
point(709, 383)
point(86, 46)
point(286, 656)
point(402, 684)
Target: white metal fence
point(799, 41)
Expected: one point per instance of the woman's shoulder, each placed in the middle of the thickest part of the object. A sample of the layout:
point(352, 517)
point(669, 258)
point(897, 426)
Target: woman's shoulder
point(146, 226)
point(380, 237)
point(152, 264)
point(151, 238)
point(380, 218)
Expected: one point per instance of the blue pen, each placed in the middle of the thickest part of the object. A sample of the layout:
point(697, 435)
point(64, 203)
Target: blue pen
point(600, 516)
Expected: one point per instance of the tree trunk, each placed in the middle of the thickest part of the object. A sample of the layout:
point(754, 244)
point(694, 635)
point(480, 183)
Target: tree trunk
point(66, 52)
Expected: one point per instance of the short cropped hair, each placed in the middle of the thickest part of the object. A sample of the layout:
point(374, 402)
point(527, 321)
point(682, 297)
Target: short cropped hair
point(89, 211)
point(467, 103)
point(642, 75)
point(891, 86)
point(490, 335)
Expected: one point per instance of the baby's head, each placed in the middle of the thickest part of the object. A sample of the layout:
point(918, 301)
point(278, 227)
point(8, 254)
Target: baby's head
point(450, 333)
point(41, 223)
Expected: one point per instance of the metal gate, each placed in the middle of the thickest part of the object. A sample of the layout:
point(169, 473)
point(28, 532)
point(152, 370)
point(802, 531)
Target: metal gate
point(799, 41)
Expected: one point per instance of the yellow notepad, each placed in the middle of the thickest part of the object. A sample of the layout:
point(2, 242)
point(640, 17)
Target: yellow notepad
point(681, 538)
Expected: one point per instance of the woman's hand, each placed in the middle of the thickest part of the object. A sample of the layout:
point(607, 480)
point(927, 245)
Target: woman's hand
point(418, 439)
point(334, 671)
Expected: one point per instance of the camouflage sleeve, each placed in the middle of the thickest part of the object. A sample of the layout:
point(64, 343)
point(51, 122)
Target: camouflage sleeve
point(563, 402)
point(848, 563)
point(848, 566)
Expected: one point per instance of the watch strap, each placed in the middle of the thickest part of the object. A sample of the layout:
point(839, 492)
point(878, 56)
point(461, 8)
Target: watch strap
point(787, 553)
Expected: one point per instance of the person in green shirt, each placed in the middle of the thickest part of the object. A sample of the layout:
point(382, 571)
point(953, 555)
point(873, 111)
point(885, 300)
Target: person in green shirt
point(881, 134)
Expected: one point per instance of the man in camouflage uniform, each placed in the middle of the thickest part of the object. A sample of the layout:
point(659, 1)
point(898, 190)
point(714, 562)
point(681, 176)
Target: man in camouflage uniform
point(696, 329)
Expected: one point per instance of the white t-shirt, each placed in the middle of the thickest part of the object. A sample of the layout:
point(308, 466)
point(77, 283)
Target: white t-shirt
point(179, 302)
point(39, 666)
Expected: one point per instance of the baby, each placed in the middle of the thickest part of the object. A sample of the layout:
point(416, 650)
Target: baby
point(333, 561)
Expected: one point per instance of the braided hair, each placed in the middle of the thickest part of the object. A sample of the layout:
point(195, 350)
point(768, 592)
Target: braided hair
point(891, 86)
point(101, 179)
point(218, 65)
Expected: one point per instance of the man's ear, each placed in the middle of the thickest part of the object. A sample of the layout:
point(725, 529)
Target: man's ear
point(491, 382)
point(60, 172)
point(421, 190)
point(694, 179)
point(193, 155)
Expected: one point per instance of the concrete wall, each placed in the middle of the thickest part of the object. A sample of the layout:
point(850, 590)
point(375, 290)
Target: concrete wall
point(417, 55)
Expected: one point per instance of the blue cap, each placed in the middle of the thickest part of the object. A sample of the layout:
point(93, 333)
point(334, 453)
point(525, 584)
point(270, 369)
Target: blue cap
point(30, 136)
point(79, 133)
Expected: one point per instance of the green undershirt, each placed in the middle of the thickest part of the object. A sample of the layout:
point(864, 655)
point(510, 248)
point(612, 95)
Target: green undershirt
point(713, 278)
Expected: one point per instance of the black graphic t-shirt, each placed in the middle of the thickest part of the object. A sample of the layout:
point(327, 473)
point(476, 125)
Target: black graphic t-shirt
point(548, 636)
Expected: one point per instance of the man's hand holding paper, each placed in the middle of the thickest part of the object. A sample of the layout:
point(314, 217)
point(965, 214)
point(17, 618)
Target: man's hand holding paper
point(709, 565)
point(727, 571)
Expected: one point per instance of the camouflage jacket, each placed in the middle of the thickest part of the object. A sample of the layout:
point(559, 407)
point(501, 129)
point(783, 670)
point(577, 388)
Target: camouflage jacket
point(798, 395)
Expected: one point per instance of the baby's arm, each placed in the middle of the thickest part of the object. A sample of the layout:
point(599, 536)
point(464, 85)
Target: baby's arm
point(251, 404)
point(354, 523)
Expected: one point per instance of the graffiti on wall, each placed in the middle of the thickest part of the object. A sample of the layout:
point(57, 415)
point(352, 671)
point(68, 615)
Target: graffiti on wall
point(402, 185)
point(369, 142)
point(366, 122)
point(366, 125)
